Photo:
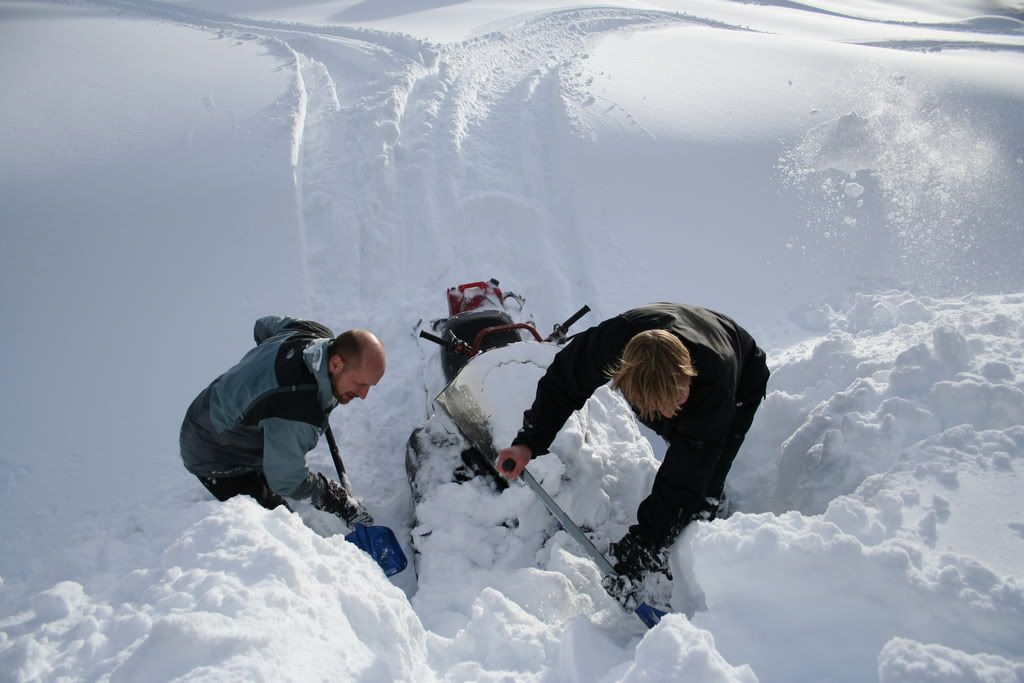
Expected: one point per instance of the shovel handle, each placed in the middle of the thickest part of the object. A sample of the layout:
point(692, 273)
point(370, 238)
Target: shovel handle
point(508, 465)
point(332, 443)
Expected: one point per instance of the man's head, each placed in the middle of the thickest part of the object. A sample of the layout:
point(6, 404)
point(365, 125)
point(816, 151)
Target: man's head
point(356, 363)
point(654, 374)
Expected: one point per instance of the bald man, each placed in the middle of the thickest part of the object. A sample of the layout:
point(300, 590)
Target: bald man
point(249, 431)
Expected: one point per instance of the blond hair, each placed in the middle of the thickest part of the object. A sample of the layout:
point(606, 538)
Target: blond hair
point(655, 369)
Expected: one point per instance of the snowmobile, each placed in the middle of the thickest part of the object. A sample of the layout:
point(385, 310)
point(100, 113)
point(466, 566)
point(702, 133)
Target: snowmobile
point(479, 320)
point(473, 411)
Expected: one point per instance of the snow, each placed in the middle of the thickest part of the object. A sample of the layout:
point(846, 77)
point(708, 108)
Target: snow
point(842, 177)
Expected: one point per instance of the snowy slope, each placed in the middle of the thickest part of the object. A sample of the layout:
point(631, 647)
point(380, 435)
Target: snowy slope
point(844, 178)
point(146, 195)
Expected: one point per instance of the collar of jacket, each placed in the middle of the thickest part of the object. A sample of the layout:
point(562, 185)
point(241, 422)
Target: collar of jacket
point(316, 357)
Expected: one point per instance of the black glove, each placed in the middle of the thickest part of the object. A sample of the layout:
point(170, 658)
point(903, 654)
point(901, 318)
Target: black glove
point(624, 589)
point(713, 508)
point(333, 498)
point(634, 555)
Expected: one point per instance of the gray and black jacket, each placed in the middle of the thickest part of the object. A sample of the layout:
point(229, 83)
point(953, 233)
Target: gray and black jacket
point(266, 412)
point(730, 368)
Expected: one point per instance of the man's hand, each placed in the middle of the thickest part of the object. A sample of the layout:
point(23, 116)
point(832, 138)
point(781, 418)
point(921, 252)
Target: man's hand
point(359, 516)
point(338, 501)
point(635, 555)
point(513, 460)
point(636, 558)
point(624, 589)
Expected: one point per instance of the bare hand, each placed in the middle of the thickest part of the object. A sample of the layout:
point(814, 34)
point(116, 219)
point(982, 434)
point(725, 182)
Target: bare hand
point(513, 460)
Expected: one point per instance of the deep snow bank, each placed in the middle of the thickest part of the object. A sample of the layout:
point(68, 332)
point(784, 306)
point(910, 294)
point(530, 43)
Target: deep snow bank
point(238, 591)
point(916, 554)
point(902, 525)
point(900, 438)
point(892, 370)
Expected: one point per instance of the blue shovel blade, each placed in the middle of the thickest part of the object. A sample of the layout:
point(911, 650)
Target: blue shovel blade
point(649, 615)
point(379, 542)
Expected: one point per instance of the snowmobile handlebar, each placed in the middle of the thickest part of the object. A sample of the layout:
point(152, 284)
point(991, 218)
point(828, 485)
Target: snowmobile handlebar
point(458, 346)
point(503, 328)
point(558, 334)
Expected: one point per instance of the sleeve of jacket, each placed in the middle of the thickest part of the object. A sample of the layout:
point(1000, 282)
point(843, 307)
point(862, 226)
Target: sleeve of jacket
point(696, 441)
point(269, 325)
point(679, 488)
point(285, 444)
point(573, 376)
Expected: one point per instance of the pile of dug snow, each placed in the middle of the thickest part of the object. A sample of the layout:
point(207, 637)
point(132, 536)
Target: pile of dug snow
point(876, 527)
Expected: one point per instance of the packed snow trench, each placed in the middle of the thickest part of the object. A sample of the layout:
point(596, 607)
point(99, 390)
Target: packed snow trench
point(844, 179)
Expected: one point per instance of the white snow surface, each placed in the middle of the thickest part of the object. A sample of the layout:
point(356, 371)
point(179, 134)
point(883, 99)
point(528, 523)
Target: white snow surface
point(843, 177)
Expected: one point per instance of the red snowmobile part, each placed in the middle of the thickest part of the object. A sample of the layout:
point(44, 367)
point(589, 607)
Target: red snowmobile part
point(473, 295)
point(501, 328)
point(465, 349)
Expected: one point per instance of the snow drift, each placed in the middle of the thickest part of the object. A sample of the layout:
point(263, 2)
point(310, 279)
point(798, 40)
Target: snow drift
point(843, 179)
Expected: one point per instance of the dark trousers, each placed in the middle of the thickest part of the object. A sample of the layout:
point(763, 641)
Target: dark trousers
point(252, 484)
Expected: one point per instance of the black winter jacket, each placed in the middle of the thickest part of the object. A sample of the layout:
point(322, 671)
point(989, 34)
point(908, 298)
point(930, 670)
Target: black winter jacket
point(720, 350)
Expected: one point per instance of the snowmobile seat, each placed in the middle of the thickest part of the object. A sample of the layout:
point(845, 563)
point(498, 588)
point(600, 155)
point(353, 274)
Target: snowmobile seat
point(465, 327)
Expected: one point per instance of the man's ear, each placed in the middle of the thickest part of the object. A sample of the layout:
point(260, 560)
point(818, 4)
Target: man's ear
point(336, 364)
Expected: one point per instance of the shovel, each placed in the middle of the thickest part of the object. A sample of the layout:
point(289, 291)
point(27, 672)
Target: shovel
point(378, 542)
point(474, 423)
point(649, 615)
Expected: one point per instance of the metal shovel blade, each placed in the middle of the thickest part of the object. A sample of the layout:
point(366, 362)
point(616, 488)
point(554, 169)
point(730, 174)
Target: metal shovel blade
point(649, 615)
point(379, 542)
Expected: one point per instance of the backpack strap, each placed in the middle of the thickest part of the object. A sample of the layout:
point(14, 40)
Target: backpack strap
point(311, 328)
point(297, 396)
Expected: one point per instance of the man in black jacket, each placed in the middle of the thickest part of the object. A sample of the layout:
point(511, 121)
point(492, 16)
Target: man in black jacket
point(693, 376)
